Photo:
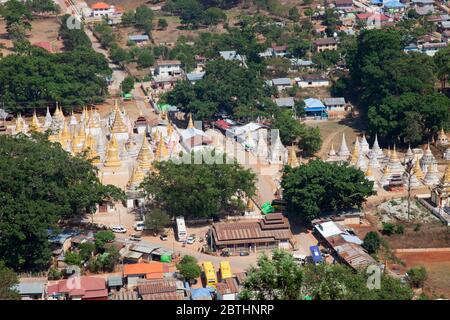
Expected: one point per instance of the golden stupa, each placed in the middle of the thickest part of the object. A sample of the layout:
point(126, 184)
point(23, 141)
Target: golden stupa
point(35, 125)
point(292, 159)
point(65, 134)
point(169, 130)
point(136, 177)
point(418, 170)
point(394, 156)
point(191, 122)
point(89, 147)
point(368, 172)
point(145, 155)
point(92, 122)
point(76, 147)
point(446, 177)
point(118, 126)
point(112, 154)
point(250, 206)
point(161, 149)
point(19, 125)
point(355, 154)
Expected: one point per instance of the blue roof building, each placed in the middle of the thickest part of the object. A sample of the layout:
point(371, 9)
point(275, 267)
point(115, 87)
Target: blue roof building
point(201, 294)
point(393, 4)
point(315, 107)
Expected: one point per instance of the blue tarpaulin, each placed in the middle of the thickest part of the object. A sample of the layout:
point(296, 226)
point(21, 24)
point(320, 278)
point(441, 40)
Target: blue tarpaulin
point(315, 253)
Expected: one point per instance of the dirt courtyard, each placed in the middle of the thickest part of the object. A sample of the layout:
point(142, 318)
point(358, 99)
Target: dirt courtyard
point(42, 30)
point(437, 264)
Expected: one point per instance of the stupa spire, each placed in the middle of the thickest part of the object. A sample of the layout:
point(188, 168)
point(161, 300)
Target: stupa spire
point(112, 154)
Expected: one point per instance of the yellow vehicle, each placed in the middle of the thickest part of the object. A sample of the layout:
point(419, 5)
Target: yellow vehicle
point(210, 274)
point(225, 270)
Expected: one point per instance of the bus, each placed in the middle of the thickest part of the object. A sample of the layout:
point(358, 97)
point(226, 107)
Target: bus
point(225, 270)
point(210, 274)
point(181, 229)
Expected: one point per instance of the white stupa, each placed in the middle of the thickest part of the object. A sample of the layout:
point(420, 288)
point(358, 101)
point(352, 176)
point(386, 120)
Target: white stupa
point(431, 176)
point(409, 155)
point(376, 148)
point(48, 119)
point(373, 160)
point(261, 148)
point(343, 150)
point(364, 145)
point(361, 164)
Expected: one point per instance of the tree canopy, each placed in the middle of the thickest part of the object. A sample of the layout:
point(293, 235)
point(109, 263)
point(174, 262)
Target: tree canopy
point(41, 184)
point(199, 190)
point(396, 90)
point(314, 189)
point(39, 78)
point(281, 278)
point(189, 268)
point(8, 279)
point(220, 90)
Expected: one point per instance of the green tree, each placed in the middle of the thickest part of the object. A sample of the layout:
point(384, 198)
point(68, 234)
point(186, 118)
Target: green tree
point(103, 237)
point(59, 78)
point(290, 129)
point(221, 90)
point(310, 140)
point(372, 242)
point(72, 258)
point(86, 250)
point(162, 23)
point(156, 220)
point(145, 59)
point(280, 278)
point(294, 14)
point(417, 276)
point(442, 62)
point(314, 189)
point(41, 184)
point(144, 18)
point(189, 268)
point(75, 37)
point(201, 190)
point(118, 55)
point(127, 84)
point(8, 280)
point(54, 274)
point(128, 18)
point(14, 11)
point(213, 16)
point(42, 6)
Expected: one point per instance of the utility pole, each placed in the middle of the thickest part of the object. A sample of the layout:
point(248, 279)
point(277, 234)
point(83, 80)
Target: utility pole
point(409, 172)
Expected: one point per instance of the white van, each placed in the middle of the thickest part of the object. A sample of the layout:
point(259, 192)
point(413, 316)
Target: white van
point(299, 258)
point(139, 226)
point(181, 229)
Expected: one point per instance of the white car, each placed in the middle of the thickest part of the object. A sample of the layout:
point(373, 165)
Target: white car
point(139, 226)
point(190, 240)
point(119, 229)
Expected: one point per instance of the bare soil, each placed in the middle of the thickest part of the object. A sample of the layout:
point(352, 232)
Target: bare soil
point(430, 235)
point(438, 267)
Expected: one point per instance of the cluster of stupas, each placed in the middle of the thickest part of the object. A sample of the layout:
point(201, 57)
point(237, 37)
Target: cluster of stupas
point(383, 167)
point(111, 143)
point(268, 149)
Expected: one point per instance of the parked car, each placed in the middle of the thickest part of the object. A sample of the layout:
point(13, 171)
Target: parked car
point(244, 253)
point(163, 237)
point(135, 237)
point(190, 240)
point(119, 229)
point(139, 226)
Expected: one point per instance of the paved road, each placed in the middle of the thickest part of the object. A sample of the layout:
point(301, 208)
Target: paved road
point(118, 74)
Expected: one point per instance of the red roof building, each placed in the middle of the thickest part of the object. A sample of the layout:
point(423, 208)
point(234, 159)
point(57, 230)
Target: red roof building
point(100, 6)
point(80, 288)
point(153, 270)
